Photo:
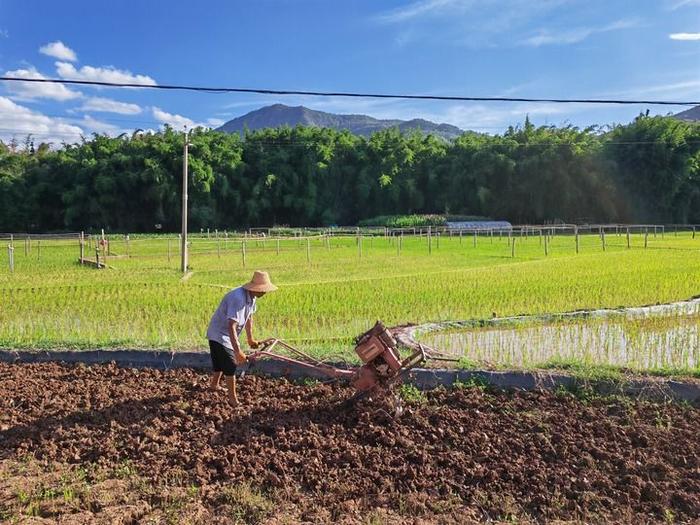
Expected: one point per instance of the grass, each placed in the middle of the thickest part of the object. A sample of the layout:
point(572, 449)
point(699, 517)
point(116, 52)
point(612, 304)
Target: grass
point(330, 290)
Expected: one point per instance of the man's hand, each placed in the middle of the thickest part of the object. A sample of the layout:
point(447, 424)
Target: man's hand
point(253, 343)
point(241, 358)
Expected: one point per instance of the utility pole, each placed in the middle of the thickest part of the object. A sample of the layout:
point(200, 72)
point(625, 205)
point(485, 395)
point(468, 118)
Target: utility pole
point(183, 247)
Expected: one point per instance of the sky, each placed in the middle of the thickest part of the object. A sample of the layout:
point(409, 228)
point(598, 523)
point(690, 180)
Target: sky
point(627, 49)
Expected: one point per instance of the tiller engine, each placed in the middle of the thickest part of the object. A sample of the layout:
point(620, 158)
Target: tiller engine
point(377, 349)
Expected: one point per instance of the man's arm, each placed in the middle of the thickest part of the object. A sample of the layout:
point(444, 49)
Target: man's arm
point(249, 333)
point(240, 356)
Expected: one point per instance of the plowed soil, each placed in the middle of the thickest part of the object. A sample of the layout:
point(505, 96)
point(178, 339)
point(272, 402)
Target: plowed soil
point(138, 445)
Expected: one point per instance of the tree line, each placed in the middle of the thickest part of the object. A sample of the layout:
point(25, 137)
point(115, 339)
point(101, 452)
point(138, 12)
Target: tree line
point(644, 171)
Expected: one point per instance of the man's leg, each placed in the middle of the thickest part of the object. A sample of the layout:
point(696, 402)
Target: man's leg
point(215, 380)
point(231, 386)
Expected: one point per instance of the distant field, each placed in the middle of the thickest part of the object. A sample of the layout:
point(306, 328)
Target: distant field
point(329, 291)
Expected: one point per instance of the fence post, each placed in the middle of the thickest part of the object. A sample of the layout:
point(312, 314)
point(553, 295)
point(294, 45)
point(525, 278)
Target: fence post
point(243, 251)
point(278, 246)
point(628, 238)
point(218, 246)
point(38, 249)
point(577, 240)
point(602, 238)
point(460, 236)
point(546, 245)
point(646, 237)
point(82, 252)
point(97, 257)
point(359, 244)
point(512, 247)
point(540, 237)
point(128, 251)
point(474, 238)
point(308, 250)
point(430, 241)
point(11, 257)
point(168, 249)
point(693, 232)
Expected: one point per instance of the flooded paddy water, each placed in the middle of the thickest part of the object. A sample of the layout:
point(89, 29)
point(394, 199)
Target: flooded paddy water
point(660, 337)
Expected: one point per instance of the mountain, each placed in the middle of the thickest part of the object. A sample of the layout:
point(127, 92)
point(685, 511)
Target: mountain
point(280, 115)
point(691, 115)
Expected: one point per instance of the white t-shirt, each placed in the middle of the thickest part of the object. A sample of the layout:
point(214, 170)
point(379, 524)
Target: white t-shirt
point(238, 305)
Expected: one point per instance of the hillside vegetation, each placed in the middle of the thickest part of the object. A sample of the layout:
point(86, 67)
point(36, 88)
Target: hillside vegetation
point(645, 171)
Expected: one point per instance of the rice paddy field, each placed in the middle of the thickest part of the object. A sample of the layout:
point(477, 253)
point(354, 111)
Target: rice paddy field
point(334, 287)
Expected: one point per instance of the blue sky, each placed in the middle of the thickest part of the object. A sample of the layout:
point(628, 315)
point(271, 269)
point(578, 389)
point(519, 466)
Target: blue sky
point(524, 48)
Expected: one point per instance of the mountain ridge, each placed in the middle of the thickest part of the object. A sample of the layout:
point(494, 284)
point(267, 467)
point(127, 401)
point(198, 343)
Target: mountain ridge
point(277, 115)
point(689, 115)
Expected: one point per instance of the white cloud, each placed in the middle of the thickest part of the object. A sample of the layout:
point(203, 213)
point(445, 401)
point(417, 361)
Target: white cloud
point(683, 3)
point(107, 105)
point(215, 122)
point(59, 50)
point(573, 36)
point(416, 9)
point(475, 24)
point(92, 125)
point(684, 36)
point(102, 74)
point(32, 90)
point(4, 33)
point(19, 121)
point(175, 121)
point(669, 89)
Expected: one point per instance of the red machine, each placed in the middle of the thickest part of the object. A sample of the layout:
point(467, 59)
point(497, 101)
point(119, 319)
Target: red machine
point(376, 348)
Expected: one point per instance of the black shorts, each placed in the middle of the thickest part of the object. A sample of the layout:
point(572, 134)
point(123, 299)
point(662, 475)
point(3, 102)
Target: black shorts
point(222, 359)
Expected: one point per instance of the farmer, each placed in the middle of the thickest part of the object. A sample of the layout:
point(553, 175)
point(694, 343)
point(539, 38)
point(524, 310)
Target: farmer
point(226, 326)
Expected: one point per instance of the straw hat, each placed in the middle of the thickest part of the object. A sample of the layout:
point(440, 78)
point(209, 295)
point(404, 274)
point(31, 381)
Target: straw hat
point(260, 283)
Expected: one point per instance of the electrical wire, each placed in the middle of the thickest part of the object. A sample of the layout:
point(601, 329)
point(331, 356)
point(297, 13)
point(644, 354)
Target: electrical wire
point(204, 89)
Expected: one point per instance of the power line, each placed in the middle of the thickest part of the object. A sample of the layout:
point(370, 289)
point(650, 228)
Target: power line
point(347, 94)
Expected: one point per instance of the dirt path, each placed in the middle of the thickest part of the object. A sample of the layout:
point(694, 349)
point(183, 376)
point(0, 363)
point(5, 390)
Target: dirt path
point(449, 457)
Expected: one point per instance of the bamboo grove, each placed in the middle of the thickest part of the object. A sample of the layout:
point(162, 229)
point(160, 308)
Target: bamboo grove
point(644, 171)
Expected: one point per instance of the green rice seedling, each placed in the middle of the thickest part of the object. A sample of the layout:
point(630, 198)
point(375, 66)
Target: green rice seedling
point(333, 294)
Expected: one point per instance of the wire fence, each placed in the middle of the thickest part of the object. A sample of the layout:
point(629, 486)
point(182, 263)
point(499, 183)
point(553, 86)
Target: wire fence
point(331, 245)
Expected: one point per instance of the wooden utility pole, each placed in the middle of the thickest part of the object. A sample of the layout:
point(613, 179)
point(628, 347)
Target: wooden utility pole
point(183, 247)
